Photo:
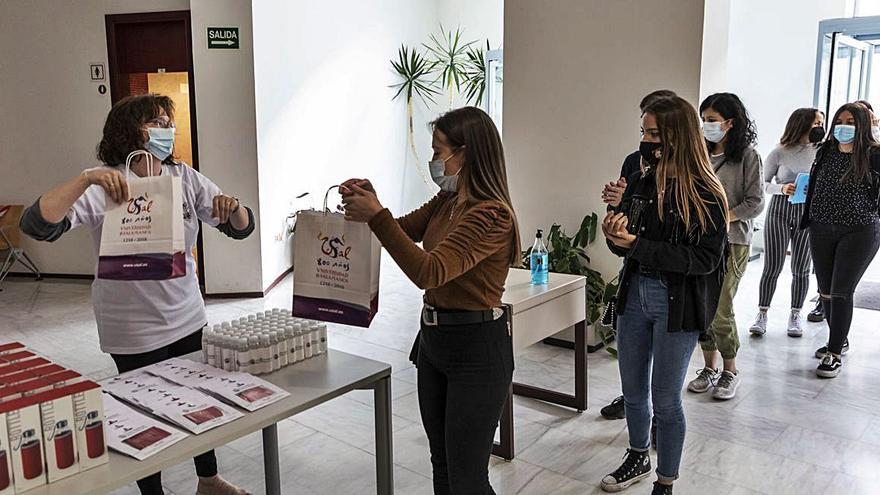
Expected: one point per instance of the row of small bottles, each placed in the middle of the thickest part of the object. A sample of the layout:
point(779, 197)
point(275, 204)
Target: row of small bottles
point(263, 342)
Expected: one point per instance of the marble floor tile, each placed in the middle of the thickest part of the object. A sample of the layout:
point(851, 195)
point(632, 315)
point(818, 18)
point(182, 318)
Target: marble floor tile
point(787, 432)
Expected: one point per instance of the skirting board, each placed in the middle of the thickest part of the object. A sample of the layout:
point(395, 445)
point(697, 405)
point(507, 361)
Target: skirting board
point(570, 345)
point(251, 295)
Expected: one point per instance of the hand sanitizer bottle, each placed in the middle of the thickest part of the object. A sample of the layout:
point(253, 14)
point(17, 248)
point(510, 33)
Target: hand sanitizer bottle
point(538, 260)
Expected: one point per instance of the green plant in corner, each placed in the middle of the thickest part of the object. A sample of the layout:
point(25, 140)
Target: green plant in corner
point(568, 254)
point(449, 54)
point(475, 74)
point(415, 72)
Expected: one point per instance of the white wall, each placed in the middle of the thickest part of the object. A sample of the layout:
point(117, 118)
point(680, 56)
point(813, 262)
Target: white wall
point(224, 82)
point(54, 114)
point(770, 64)
point(324, 110)
point(574, 73)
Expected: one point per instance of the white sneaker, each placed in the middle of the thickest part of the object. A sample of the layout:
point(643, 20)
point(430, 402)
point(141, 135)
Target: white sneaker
point(794, 325)
point(704, 381)
point(725, 388)
point(759, 328)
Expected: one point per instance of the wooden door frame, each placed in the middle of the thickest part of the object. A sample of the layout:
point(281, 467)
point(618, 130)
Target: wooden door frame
point(113, 20)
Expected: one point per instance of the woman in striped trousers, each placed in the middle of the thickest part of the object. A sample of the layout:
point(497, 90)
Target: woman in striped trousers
point(793, 156)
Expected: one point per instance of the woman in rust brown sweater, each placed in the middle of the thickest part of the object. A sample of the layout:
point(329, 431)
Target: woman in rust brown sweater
point(469, 239)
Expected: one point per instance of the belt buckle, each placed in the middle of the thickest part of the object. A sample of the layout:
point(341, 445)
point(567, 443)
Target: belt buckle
point(429, 317)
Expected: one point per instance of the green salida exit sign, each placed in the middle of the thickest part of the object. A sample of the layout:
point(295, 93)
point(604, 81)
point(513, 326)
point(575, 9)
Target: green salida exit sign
point(223, 37)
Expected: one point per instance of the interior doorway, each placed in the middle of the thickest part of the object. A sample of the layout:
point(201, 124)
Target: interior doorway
point(152, 53)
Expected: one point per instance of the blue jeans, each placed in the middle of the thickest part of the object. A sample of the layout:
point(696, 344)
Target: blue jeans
point(653, 365)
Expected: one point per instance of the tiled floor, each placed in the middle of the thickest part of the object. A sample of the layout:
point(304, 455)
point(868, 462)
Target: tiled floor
point(787, 432)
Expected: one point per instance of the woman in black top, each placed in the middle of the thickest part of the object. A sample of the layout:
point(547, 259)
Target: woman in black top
point(671, 230)
point(841, 213)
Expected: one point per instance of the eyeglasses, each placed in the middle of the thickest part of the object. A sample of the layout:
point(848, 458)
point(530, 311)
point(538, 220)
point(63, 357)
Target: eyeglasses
point(162, 122)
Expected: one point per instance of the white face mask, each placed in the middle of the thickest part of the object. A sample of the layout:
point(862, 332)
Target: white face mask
point(875, 131)
point(448, 183)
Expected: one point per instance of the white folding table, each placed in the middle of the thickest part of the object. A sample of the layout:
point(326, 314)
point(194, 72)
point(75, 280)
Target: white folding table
point(538, 312)
point(310, 383)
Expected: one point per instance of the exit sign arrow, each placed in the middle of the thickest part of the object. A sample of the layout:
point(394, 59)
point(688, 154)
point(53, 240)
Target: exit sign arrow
point(223, 38)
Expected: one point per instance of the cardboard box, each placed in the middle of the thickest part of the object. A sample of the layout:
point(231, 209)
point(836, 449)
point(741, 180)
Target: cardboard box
point(39, 384)
point(88, 408)
point(25, 431)
point(59, 447)
point(6, 486)
point(11, 348)
point(29, 374)
point(7, 368)
point(16, 357)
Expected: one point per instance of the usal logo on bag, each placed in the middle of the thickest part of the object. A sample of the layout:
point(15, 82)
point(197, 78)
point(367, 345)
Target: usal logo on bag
point(334, 263)
point(137, 225)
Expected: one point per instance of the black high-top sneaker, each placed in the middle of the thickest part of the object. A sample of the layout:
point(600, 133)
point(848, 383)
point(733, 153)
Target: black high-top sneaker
point(636, 467)
point(660, 489)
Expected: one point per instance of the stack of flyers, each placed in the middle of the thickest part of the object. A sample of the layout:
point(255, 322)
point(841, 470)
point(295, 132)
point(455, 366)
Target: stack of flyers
point(134, 434)
point(185, 407)
point(239, 389)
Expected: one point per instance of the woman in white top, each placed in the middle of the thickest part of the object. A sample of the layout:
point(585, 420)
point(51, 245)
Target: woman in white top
point(146, 321)
point(793, 156)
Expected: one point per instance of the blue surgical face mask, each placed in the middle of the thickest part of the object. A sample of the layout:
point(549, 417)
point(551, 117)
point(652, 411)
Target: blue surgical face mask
point(161, 142)
point(712, 131)
point(844, 134)
point(448, 183)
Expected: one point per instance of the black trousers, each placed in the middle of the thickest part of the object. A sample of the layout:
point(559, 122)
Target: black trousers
point(206, 464)
point(464, 377)
point(841, 255)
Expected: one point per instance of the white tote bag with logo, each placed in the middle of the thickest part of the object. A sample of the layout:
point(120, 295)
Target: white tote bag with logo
point(143, 238)
point(335, 269)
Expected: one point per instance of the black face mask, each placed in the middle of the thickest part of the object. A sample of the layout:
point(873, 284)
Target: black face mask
point(651, 152)
point(817, 134)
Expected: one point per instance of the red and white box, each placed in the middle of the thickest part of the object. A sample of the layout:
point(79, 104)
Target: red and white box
point(15, 357)
point(11, 348)
point(6, 368)
point(62, 379)
point(59, 446)
point(25, 431)
point(6, 487)
point(29, 374)
point(88, 409)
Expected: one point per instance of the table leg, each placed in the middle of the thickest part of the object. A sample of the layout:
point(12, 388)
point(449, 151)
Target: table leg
point(384, 439)
point(579, 399)
point(270, 460)
point(505, 448)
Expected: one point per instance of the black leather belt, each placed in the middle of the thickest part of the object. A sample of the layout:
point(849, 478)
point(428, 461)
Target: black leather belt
point(649, 272)
point(433, 317)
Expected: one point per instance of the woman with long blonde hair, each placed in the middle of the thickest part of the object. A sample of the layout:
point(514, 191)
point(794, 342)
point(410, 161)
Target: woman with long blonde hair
point(671, 230)
point(470, 238)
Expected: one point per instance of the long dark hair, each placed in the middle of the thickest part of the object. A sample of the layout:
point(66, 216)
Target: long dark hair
point(863, 145)
point(684, 151)
point(123, 129)
point(799, 123)
point(743, 133)
point(484, 174)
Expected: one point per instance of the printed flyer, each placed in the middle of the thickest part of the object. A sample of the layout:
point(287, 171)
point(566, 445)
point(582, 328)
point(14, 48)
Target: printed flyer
point(190, 409)
point(240, 389)
point(135, 434)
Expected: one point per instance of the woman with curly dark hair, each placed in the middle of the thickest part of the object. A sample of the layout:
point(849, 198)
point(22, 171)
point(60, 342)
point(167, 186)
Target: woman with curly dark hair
point(730, 136)
point(143, 322)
